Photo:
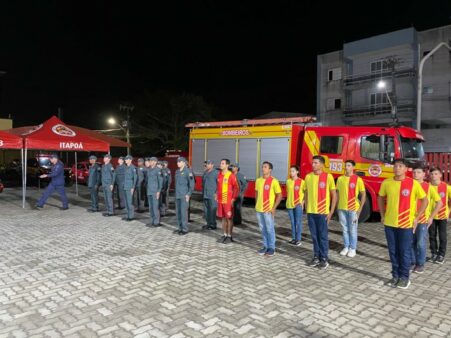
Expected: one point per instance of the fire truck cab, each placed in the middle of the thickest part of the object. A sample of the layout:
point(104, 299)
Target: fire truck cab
point(285, 142)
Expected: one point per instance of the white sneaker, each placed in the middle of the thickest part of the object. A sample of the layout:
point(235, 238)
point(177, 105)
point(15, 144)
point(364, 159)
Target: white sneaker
point(344, 252)
point(351, 253)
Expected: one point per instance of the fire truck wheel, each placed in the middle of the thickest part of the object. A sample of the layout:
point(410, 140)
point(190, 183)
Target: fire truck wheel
point(365, 215)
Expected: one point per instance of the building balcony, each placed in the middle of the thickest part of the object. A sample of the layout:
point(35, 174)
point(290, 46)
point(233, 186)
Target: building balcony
point(359, 79)
point(379, 112)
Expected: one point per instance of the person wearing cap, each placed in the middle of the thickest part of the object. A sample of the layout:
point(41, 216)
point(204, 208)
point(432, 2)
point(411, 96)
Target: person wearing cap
point(140, 186)
point(94, 181)
point(209, 188)
point(154, 184)
point(57, 183)
point(184, 186)
point(119, 173)
point(238, 204)
point(167, 179)
point(107, 176)
point(130, 179)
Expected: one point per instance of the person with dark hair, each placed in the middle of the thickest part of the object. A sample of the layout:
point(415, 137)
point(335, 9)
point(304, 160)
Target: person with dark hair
point(397, 200)
point(268, 195)
point(350, 187)
point(439, 224)
point(237, 206)
point(226, 193)
point(320, 199)
point(57, 183)
point(209, 190)
point(424, 222)
point(295, 203)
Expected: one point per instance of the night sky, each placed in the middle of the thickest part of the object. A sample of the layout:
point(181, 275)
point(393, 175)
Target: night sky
point(244, 57)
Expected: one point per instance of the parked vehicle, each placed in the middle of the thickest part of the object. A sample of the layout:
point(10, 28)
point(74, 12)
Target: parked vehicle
point(40, 165)
point(295, 141)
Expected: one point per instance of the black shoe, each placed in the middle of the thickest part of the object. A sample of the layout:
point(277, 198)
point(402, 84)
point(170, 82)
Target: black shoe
point(65, 208)
point(323, 265)
point(393, 282)
point(439, 260)
point(432, 258)
point(403, 284)
point(211, 228)
point(231, 239)
point(205, 227)
point(120, 208)
point(129, 219)
point(182, 233)
point(314, 262)
point(293, 242)
point(224, 239)
point(124, 218)
point(107, 215)
point(37, 206)
point(156, 225)
point(176, 231)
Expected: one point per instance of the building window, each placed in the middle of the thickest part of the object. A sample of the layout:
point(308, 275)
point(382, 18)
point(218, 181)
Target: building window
point(370, 148)
point(334, 74)
point(379, 66)
point(426, 52)
point(331, 145)
point(428, 90)
point(378, 98)
point(333, 104)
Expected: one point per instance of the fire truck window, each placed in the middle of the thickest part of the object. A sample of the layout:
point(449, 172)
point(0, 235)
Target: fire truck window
point(369, 147)
point(331, 145)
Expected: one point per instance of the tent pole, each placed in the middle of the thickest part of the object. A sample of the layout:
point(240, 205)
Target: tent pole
point(22, 165)
point(76, 175)
point(24, 178)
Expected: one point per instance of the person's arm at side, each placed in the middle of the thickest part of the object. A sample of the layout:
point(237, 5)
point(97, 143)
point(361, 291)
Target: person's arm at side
point(434, 212)
point(423, 206)
point(278, 193)
point(333, 204)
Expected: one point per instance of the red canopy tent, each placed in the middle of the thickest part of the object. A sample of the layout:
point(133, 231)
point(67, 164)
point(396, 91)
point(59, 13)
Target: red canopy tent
point(10, 141)
point(54, 134)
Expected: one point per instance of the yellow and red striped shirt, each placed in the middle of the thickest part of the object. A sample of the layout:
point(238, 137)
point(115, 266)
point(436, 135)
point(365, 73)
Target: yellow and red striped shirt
point(266, 189)
point(349, 188)
point(444, 191)
point(433, 198)
point(402, 199)
point(295, 192)
point(227, 188)
point(318, 189)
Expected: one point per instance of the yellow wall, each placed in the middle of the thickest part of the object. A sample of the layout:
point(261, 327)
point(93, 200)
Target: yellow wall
point(6, 124)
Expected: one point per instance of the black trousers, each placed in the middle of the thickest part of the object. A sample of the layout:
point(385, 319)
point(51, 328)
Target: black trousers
point(438, 226)
point(237, 206)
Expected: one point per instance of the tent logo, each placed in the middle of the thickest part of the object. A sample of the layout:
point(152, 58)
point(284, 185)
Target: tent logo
point(32, 130)
point(61, 130)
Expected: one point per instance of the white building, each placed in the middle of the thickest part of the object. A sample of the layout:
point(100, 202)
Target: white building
point(347, 90)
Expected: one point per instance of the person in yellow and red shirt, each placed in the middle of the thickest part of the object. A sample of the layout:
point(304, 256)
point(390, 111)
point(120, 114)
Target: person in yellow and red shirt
point(295, 203)
point(227, 191)
point(424, 222)
point(399, 217)
point(267, 198)
point(439, 224)
point(350, 187)
point(320, 199)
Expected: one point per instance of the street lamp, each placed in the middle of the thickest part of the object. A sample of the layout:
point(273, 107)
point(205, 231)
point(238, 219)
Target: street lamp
point(382, 85)
point(112, 121)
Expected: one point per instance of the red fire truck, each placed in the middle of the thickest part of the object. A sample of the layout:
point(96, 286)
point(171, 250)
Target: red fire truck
point(285, 142)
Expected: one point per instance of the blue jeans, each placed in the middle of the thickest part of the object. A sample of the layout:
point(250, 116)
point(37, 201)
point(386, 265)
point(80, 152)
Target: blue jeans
point(349, 222)
point(419, 245)
point(399, 243)
point(320, 237)
point(296, 222)
point(266, 224)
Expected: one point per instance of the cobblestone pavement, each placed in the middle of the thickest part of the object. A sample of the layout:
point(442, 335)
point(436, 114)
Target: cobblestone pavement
point(75, 274)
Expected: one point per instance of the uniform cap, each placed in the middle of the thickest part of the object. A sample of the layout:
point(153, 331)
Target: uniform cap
point(153, 158)
point(140, 160)
point(107, 156)
point(147, 159)
point(93, 157)
point(164, 162)
point(121, 158)
point(181, 159)
point(129, 157)
point(54, 156)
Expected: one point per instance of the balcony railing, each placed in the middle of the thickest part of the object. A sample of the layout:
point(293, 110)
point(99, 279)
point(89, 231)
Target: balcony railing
point(354, 79)
point(403, 108)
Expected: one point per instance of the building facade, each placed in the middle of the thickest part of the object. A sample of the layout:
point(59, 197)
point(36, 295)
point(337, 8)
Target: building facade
point(371, 81)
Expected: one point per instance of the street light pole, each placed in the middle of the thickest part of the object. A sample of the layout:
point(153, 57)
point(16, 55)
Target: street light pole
point(382, 85)
point(128, 109)
point(420, 80)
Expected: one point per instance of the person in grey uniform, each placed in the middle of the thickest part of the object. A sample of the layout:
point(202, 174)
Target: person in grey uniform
point(238, 204)
point(108, 184)
point(130, 179)
point(209, 189)
point(140, 186)
point(167, 180)
point(94, 181)
point(119, 181)
point(184, 186)
point(154, 184)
